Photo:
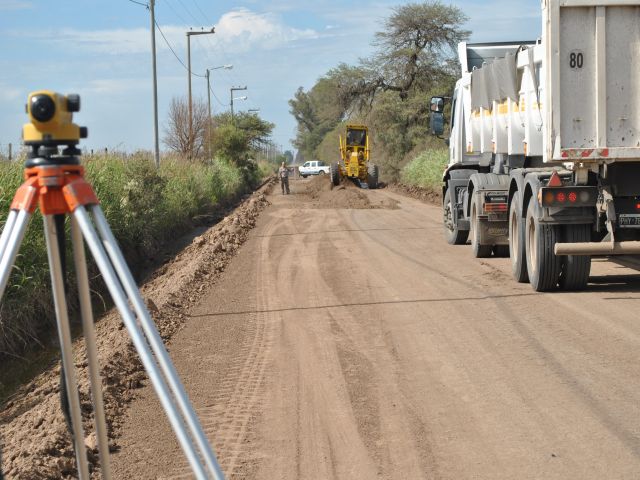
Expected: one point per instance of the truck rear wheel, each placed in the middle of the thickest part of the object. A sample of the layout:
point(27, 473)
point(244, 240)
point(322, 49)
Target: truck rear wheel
point(517, 240)
point(575, 268)
point(542, 264)
point(372, 176)
point(479, 251)
point(453, 235)
point(335, 174)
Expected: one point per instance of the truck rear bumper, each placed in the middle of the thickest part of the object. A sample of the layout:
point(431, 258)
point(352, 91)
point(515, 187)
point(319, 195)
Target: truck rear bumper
point(598, 248)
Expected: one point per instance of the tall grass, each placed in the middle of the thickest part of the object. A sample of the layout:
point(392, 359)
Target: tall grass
point(145, 207)
point(426, 169)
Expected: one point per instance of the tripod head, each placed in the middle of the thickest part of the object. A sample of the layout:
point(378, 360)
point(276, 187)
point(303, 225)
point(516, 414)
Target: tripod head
point(51, 126)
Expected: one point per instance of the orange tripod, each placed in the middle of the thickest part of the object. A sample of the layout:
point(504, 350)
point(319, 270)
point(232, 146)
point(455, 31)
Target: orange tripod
point(57, 185)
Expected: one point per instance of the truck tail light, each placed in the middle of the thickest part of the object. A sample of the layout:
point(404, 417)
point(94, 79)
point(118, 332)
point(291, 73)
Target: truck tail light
point(495, 207)
point(568, 196)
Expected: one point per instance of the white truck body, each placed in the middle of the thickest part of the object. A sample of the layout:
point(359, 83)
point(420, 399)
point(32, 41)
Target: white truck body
point(547, 133)
point(590, 61)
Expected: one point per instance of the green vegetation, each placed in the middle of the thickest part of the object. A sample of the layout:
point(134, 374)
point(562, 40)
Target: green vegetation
point(414, 58)
point(146, 208)
point(426, 169)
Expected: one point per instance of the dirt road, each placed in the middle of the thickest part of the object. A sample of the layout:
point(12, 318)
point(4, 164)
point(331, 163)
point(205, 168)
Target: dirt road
point(357, 344)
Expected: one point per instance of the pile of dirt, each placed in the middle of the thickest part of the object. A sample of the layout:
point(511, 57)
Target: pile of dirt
point(34, 436)
point(322, 194)
point(428, 195)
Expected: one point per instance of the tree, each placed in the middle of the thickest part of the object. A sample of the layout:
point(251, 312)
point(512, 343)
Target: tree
point(319, 110)
point(414, 51)
point(239, 139)
point(177, 136)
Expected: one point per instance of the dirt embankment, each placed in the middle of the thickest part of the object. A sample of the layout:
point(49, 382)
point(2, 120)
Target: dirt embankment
point(321, 193)
point(35, 443)
point(429, 195)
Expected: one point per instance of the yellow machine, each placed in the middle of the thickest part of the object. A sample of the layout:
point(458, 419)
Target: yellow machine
point(51, 119)
point(354, 159)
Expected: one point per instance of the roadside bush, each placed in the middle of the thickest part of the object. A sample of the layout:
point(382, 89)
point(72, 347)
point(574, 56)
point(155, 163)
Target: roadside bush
point(426, 169)
point(146, 209)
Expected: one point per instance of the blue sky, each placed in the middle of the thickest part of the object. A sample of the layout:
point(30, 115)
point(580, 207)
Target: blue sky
point(101, 50)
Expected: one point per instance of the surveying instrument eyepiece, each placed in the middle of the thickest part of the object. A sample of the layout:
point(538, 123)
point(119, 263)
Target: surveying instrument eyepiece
point(55, 183)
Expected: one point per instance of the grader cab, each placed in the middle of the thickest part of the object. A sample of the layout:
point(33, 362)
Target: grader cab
point(354, 161)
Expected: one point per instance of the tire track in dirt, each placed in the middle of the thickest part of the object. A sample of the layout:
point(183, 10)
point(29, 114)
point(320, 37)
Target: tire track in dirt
point(228, 420)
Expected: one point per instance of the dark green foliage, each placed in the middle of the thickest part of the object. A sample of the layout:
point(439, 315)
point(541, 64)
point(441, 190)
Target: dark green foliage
point(239, 139)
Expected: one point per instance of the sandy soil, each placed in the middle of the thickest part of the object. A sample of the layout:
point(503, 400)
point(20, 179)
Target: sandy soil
point(354, 343)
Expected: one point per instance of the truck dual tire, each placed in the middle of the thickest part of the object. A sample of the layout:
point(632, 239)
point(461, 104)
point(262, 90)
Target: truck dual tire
point(517, 245)
point(479, 250)
point(574, 274)
point(543, 265)
point(372, 176)
point(452, 234)
point(335, 174)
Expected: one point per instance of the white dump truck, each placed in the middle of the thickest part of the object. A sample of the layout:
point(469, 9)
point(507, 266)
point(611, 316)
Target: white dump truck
point(544, 146)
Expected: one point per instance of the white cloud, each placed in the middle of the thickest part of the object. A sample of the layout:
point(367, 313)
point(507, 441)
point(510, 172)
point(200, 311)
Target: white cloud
point(242, 30)
point(114, 86)
point(15, 5)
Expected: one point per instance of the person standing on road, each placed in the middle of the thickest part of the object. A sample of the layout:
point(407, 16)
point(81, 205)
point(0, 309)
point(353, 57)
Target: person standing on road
point(283, 173)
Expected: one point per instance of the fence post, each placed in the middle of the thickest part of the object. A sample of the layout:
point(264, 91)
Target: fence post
point(10, 145)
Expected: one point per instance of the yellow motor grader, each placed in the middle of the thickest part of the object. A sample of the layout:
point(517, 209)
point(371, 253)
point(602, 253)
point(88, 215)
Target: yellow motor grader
point(354, 161)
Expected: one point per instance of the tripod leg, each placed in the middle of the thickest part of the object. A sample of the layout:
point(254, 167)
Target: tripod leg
point(14, 238)
point(66, 348)
point(90, 342)
point(154, 339)
point(6, 231)
point(139, 341)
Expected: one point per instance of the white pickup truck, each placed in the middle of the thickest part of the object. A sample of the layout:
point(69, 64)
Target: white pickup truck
point(314, 167)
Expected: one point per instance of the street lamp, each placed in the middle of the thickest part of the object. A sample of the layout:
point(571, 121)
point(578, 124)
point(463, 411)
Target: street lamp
point(226, 67)
point(189, 35)
point(233, 89)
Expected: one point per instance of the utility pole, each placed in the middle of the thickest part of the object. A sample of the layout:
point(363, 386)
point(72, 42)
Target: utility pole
point(233, 89)
point(156, 141)
point(189, 34)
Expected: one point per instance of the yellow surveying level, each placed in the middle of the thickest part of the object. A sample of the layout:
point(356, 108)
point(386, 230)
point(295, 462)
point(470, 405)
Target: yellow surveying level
point(51, 119)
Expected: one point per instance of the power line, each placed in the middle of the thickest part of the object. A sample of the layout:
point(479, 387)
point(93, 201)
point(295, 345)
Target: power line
point(203, 14)
point(217, 99)
point(186, 24)
point(188, 11)
point(140, 3)
point(175, 54)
